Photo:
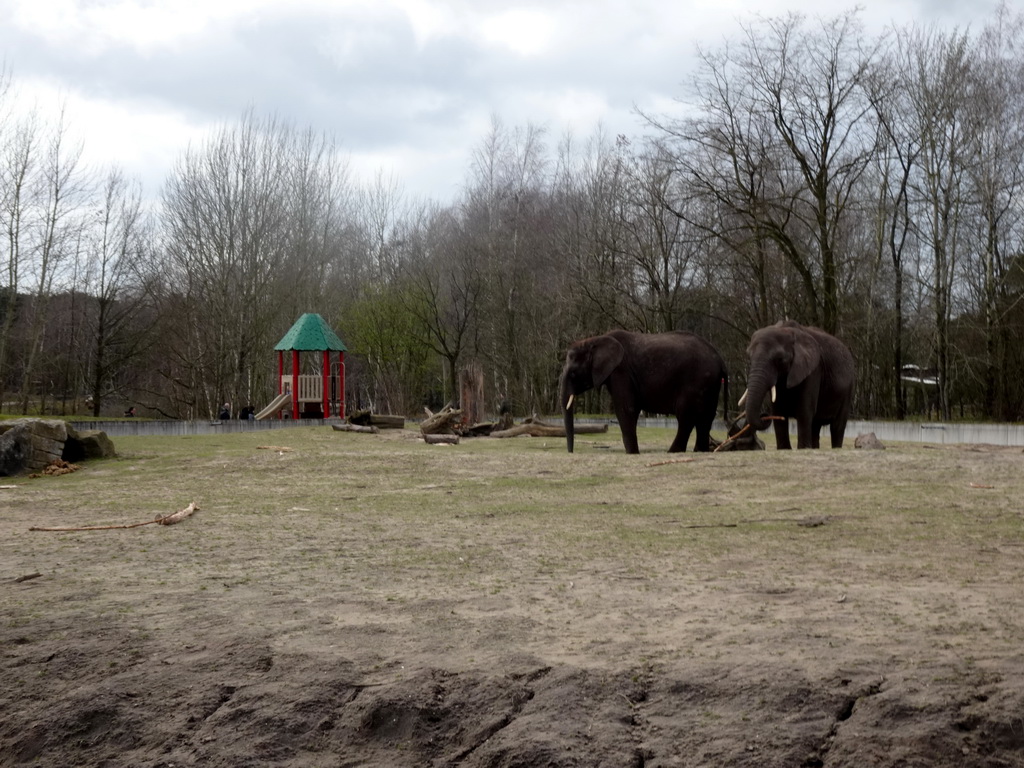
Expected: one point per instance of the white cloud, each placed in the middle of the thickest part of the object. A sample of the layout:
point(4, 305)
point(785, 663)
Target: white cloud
point(410, 85)
point(526, 31)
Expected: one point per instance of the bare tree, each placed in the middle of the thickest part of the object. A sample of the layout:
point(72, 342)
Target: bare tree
point(54, 230)
point(507, 223)
point(937, 82)
point(253, 222)
point(444, 293)
point(18, 145)
point(785, 132)
point(997, 177)
point(118, 245)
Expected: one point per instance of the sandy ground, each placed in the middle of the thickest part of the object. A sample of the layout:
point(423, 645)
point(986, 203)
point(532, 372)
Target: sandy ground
point(391, 625)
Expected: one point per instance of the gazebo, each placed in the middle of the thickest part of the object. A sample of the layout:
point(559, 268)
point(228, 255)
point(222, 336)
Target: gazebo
point(311, 334)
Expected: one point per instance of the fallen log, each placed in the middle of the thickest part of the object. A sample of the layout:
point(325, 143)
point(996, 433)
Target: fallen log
point(379, 420)
point(441, 439)
point(538, 429)
point(355, 428)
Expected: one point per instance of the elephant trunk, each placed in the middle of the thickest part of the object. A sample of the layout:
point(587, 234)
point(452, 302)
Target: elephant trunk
point(566, 398)
point(759, 381)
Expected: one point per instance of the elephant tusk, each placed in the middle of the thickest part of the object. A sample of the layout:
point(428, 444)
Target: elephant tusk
point(743, 399)
point(568, 403)
point(773, 394)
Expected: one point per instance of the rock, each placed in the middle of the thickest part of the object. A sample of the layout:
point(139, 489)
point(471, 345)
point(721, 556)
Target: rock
point(868, 442)
point(15, 450)
point(31, 445)
point(88, 444)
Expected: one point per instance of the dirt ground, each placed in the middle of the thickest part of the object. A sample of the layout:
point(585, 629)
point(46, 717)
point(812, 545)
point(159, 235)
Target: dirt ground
point(372, 601)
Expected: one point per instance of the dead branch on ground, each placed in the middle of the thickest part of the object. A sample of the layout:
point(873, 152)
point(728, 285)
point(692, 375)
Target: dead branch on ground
point(731, 438)
point(670, 461)
point(171, 519)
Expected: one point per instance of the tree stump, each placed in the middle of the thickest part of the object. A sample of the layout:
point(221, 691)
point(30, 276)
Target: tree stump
point(471, 393)
point(441, 423)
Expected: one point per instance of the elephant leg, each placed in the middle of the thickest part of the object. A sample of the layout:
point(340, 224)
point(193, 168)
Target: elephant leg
point(627, 425)
point(837, 429)
point(682, 436)
point(806, 433)
point(702, 441)
point(782, 435)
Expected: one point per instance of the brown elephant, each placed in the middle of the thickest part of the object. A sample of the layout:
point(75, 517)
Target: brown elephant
point(676, 373)
point(810, 374)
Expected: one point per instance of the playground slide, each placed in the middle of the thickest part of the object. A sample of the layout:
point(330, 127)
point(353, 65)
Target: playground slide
point(278, 403)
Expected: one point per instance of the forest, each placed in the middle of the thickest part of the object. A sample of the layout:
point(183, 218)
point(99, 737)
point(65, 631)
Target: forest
point(869, 185)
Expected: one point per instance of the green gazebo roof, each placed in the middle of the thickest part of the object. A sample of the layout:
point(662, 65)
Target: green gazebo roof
point(310, 334)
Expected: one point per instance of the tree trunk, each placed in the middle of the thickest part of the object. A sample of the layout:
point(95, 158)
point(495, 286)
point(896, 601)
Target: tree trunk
point(471, 393)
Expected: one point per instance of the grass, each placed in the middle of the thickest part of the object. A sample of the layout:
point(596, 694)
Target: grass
point(351, 507)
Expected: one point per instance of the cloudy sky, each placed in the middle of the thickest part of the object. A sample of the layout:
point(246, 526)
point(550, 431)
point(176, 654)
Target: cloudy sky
point(408, 87)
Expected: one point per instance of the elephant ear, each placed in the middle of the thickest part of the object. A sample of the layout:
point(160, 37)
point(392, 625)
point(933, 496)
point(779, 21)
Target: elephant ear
point(806, 357)
point(608, 353)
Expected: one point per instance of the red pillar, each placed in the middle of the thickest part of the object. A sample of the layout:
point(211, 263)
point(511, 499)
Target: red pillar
point(341, 385)
point(295, 383)
point(325, 381)
point(280, 375)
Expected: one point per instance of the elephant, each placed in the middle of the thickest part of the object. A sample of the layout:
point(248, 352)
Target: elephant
point(810, 374)
point(675, 373)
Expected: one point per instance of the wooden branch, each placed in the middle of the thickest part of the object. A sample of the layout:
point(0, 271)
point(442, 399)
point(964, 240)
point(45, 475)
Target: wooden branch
point(670, 461)
point(171, 519)
point(278, 448)
point(178, 516)
point(731, 438)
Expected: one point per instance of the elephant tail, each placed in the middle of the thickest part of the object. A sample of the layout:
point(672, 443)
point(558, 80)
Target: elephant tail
point(725, 395)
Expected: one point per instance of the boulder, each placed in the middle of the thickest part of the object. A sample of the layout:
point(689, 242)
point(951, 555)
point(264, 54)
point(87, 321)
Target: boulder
point(87, 444)
point(868, 442)
point(31, 445)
